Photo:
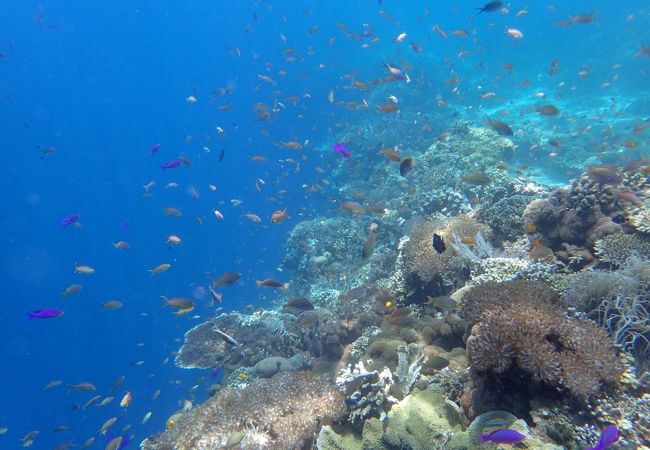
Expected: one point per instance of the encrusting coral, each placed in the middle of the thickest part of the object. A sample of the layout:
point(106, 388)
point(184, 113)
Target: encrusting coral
point(521, 324)
point(283, 412)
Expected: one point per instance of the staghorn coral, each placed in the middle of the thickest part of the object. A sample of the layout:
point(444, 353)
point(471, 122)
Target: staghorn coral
point(283, 412)
point(616, 249)
point(520, 324)
point(639, 216)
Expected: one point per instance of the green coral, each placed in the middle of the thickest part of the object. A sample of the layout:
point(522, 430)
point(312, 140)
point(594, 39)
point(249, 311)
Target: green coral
point(420, 421)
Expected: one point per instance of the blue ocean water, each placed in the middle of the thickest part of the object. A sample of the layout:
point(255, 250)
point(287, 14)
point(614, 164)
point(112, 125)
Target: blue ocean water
point(89, 87)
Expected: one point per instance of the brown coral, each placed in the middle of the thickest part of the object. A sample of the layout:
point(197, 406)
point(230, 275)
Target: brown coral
point(427, 270)
point(284, 412)
point(521, 324)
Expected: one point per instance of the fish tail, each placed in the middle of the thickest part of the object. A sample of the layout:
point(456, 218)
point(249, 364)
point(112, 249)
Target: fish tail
point(258, 283)
point(484, 438)
point(30, 316)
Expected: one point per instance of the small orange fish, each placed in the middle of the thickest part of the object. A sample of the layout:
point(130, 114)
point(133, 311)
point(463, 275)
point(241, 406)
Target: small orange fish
point(470, 240)
point(279, 216)
point(291, 144)
point(391, 154)
point(126, 400)
point(388, 107)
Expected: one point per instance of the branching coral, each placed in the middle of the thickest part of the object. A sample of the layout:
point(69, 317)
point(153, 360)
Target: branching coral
point(283, 412)
point(521, 324)
point(616, 249)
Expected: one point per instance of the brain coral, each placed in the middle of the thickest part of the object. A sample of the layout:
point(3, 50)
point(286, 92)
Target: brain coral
point(521, 324)
point(427, 270)
point(284, 412)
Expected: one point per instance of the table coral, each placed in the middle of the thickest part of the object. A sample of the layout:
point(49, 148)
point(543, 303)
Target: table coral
point(285, 412)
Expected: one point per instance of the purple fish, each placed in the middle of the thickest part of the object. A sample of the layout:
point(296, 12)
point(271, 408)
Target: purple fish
point(503, 436)
point(45, 313)
point(342, 149)
point(171, 164)
point(154, 148)
point(217, 371)
point(609, 435)
point(67, 221)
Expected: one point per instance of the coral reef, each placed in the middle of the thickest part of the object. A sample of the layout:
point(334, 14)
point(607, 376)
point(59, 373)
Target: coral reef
point(521, 324)
point(618, 248)
point(409, 365)
point(575, 217)
point(367, 392)
point(428, 272)
point(421, 421)
point(261, 335)
point(283, 412)
point(639, 215)
point(618, 300)
point(268, 367)
point(505, 217)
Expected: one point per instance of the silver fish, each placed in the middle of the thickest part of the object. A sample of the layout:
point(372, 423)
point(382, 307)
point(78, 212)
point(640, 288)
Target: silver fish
point(227, 338)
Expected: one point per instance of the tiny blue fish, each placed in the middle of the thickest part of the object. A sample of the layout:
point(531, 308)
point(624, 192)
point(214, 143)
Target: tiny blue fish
point(154, 149)
point(608, 436)
point(503, 436)
point(67, 221)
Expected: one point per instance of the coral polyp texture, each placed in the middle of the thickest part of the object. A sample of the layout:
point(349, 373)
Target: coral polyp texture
point(521, 325)
point(428, 270)
point(283, 413)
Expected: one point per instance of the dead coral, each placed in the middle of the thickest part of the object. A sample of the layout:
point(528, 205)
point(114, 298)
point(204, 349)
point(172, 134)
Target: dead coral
point(520, 324)
point(286, 409)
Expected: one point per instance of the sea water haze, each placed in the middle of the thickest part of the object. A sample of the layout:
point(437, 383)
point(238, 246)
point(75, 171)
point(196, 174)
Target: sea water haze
point(296, 224)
